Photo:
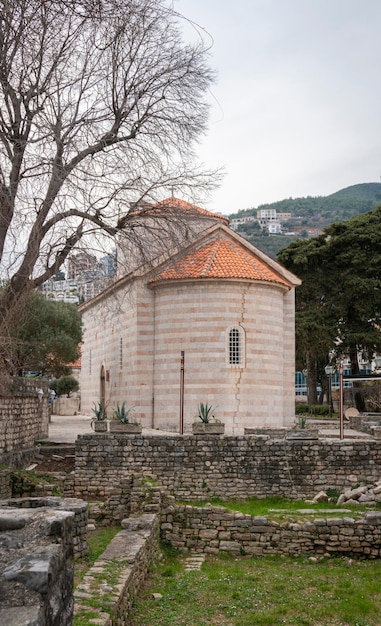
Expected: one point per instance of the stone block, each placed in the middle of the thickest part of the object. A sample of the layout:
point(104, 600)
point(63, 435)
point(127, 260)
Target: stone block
point(230, 546)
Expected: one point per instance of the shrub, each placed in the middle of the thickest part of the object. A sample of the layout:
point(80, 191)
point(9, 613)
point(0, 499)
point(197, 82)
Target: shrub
point(312, 409)
point(301, 408)
point(319, 409)
point(64, 385)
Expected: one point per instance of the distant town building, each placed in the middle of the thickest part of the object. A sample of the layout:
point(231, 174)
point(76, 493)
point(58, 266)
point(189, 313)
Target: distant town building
point(268, 219)
point(80, 263)
point(61, 290)
point(274, 228)
point(108, 263)
point(283, 217)
point(266, 215)
point(237, 221)
point(87, 276)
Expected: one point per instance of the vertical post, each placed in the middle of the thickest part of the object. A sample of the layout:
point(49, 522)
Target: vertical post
point(330, 395)
point(341, 403)
point(182, 362)
point(329, 370)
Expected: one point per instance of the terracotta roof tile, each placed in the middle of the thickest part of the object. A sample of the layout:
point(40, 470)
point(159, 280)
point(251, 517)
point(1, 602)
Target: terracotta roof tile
point(76, 363)
point(181, 205)
point(220, 258)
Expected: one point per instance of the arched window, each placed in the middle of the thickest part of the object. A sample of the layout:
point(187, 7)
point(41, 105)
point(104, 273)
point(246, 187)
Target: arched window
point(236, 346)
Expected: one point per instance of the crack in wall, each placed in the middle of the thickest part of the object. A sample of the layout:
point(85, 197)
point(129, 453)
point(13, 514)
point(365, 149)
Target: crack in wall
point(243, 347)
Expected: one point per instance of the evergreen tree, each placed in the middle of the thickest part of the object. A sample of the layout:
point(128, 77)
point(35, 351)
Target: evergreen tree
point(44, 338)
point(338, 305)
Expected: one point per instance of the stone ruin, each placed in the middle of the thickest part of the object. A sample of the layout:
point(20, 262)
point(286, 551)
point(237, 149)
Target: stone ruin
point(37, 545)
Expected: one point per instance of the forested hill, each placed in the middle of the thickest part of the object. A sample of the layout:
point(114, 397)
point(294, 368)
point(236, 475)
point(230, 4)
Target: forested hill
point(311, 213)
point(322, 211)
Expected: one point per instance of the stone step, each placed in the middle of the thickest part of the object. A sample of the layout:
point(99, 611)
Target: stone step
point(194, 562)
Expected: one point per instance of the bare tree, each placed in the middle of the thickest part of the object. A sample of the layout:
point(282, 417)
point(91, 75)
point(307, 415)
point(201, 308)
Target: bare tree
point(101, 102)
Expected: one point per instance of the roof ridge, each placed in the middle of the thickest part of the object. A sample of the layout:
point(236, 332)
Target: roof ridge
point(178, 203)
point(244, 254)
point(215, 249)
point(220, 257)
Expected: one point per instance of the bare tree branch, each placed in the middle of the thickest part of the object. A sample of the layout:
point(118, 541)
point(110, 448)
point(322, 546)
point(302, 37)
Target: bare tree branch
point(100, 106)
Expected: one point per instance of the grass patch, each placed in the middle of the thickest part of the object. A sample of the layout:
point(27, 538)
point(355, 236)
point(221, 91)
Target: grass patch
point(283, 509)
point(263, 590)
point(25, 482)
point(98, 541)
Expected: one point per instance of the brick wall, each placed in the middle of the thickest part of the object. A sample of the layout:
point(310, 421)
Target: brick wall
point(215, 530)
point(24, 417)
point(199, 467)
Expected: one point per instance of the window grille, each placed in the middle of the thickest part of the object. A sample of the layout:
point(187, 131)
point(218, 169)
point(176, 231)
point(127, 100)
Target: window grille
point(235, 347)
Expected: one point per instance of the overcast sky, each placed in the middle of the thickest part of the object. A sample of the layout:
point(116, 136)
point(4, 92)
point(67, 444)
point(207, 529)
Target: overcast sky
point(296, 109)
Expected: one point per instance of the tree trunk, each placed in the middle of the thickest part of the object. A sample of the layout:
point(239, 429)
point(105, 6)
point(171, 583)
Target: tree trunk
point(311, 380)
point(357, 393)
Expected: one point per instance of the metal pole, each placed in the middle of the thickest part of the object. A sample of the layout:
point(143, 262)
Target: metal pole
point(182, 392)
point(330, 395)
point(341, 393)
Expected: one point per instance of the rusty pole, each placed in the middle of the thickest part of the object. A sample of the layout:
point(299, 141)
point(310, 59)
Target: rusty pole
point(182, 361)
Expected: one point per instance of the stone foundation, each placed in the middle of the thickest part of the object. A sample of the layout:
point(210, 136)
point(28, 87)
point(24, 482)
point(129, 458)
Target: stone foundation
point(128, 558)
point(214, 530)
point(36, 565)
point(198, 468)
point(77, 507)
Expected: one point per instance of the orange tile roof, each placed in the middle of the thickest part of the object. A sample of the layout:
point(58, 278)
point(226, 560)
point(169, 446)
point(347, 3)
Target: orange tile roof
point(181, 205)
point(76, 363)
point(220, 258)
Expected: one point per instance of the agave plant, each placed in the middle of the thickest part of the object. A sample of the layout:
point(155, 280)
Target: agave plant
point(122, 414)
point(99, 411)
point(205, 412)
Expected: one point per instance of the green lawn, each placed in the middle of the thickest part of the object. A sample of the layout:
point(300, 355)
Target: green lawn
point(281, 509)
point(263, 590)
point(245, 591)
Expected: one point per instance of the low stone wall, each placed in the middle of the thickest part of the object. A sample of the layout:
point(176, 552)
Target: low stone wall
point(24, 484)
point(19, 458)
point(199, 467)
point(78, 508)
point(66, 406)
point(24, 416)
point(36, 567)
point(368, 423)
point(115, 578)
point(215, 530)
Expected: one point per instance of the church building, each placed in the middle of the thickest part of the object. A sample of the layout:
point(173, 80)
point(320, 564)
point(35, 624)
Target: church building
point(209, 320)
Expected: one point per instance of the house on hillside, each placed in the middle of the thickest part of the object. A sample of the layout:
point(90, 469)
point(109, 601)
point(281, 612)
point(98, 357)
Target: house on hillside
point(211, 320)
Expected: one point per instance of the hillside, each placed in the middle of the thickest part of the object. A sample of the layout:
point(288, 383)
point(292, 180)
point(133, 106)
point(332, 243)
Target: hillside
point(310, 213)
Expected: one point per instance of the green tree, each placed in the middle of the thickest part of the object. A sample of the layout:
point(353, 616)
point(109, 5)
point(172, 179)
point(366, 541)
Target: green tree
point(338, 305)
point(64, 385)
point(45, 337)
point(314, 324)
